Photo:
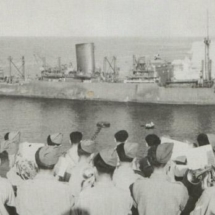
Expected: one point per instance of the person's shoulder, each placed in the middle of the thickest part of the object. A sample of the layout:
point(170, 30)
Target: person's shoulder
point(88, 192)
point(178, 187)
point(141, 181)
point(4, 182)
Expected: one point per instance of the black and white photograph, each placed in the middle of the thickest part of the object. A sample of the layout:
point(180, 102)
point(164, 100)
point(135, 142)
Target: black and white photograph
point(107, 107)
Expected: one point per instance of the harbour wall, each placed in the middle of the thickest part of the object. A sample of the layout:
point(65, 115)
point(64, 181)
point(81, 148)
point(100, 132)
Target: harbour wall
point(118, 92)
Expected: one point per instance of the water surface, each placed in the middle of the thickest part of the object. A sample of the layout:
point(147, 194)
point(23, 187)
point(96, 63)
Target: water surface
point(37, 118)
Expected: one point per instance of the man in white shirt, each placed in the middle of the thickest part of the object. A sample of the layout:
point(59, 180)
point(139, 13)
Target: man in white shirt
point(84, 169)
point(66, 162)
point(7, 198)
point(44, 194)
point(103, 198)
point(124, 174)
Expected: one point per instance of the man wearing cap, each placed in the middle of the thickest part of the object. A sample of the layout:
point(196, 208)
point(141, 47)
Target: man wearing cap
point(44, 194)
point(157, 194)
point(55, 139)
point(121, 136)
point(104, 198)
point(83, 172)
point(11, 146)
point(66, 162)
point(124, 174)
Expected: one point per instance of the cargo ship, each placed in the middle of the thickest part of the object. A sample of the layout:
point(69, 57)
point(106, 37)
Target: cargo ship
point(150, 82)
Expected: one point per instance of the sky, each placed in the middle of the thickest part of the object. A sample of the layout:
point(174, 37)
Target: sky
point(106, 18)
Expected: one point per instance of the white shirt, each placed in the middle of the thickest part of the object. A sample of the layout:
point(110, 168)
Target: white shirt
point(67, 162)
point(206, 203)
point(124, 176)
point(6, 196)
point(103, 199)
point(43, 196)
point(157, 195)
point(78, 174)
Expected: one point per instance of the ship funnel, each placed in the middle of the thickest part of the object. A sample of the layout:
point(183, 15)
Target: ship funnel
point(85, 58)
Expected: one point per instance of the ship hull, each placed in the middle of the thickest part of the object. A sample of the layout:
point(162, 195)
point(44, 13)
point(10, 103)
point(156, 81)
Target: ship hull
point(117, 92)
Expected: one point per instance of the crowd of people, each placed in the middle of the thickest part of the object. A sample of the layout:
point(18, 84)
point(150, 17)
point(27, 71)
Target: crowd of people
point(43, 179)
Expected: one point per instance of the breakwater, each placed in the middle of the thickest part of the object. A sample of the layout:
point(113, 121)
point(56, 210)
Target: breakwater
point(117, 92)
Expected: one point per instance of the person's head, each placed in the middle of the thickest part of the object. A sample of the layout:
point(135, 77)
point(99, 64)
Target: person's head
point(121, 136)
point(46, 157)
point(55, 139)
point(202, 139)
point(6, 136)
point(86, 148)
point(158, 156)
point(106, 161)
point(75, 137)
point(145, 167)
point(127, 151)
point(11, 144)
point(152, 140)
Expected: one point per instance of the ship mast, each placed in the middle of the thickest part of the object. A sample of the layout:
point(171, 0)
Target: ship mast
point(207, 67)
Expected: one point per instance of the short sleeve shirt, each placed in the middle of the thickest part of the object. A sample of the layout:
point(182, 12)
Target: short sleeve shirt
point(6, 196)
point(157, 195)
point(124, 176)
point(44, 196)
point(77, 176)
point(103, 199)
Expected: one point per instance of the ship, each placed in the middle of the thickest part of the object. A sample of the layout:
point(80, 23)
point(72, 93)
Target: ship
point(150, 82)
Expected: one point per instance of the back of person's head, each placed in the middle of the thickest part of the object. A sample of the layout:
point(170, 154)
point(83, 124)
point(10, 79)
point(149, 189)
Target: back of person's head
point(6, 136)
point(151, 157)
point(121, 136)
point(76, 137)
point(202, 139)
point(146, 167)
point(121, 153)
point(101, 166)
point(152, 140)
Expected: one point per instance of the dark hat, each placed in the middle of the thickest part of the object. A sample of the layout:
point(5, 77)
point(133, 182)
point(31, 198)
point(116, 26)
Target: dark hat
point(164, 152)
point(109, 156)
point(88, 146)
point(55, 139)
point(121, 136)
point(152, 140)
point(47, 156)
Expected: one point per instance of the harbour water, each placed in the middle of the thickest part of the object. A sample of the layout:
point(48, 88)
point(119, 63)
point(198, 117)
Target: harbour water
point(36, 118)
